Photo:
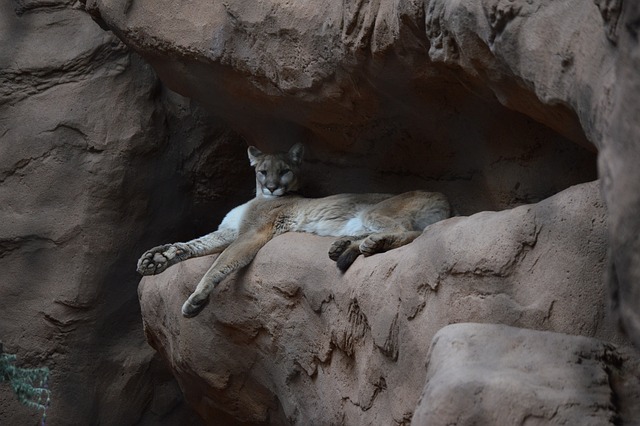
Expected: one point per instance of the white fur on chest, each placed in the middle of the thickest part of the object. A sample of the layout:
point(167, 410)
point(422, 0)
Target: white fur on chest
point(233, 219)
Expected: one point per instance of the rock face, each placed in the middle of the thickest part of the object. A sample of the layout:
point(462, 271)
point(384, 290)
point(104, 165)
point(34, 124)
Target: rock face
point(291, 340)
point(359, 86)
point(502, 375)
point(499, 104)
point(87, 147)
point(617, 161)
point(422, 89)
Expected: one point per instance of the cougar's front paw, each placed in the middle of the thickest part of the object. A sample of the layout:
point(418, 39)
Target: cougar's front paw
point(159, 258)
point(192, 308)
point(338, 247)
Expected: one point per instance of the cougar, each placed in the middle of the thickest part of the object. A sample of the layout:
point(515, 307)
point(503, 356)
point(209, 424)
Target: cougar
point(366, 224)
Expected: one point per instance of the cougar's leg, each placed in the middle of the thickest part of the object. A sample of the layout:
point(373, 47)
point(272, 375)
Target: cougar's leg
point(378, 243)
point(399, 220)
point(345, 251)
point(238, 255)
point(377, 218)
point(410, 211)
point(157, 259)
point(339, 246)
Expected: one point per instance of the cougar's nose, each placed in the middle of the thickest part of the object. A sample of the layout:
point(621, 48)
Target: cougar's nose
point(271, 187)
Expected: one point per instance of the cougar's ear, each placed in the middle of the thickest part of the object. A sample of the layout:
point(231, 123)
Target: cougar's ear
point(254, 155)
point(296, 152)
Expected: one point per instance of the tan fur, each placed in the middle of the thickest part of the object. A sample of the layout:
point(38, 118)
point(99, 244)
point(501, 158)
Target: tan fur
point(366, 223)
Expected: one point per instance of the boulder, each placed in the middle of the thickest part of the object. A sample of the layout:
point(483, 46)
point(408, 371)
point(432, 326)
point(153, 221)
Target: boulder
point(499, 375)
point(290, 339)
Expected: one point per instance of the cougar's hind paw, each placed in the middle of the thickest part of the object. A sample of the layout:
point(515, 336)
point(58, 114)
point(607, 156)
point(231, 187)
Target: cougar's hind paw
point(347, 258)
point(373, 244)
point(338, 247)
point(191, 309)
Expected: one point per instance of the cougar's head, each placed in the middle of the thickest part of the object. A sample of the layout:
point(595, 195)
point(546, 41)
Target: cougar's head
point(276, 174)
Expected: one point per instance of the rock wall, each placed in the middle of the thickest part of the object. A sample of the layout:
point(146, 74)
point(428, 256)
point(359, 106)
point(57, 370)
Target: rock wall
point(430, 83)
point(376, 110)
point(88, 151)
point(421, 89)
point(496, 103)
point(620, 177)
point(564, 380)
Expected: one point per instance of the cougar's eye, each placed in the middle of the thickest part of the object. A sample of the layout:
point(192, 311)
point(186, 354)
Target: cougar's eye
point(262, 172)
point(284, 172)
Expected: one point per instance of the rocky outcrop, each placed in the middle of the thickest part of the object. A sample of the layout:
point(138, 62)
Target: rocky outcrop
point(495, 103)
point(358, 85)
point(432, 84)
point(620, 176)
point(500, 375)
point(88, 152)
point(291, 340)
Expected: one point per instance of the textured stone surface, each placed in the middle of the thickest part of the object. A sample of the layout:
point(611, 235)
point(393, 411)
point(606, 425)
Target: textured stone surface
point(87, 154)
point(355, 83)
point(496, 103)
point(434, 80)
point(620, 175)
point(290, 339)
point(499, 375)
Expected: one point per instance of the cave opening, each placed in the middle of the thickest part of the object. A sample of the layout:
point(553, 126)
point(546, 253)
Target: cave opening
point(482, 155)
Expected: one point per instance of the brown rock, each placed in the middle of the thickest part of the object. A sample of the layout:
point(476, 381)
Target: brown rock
point(360, 89)
point(498, 375)
point(290, 339)
point(618, 162)
point(425, 90)
point(496, 103)
point(86, 151)
point(375, 78)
